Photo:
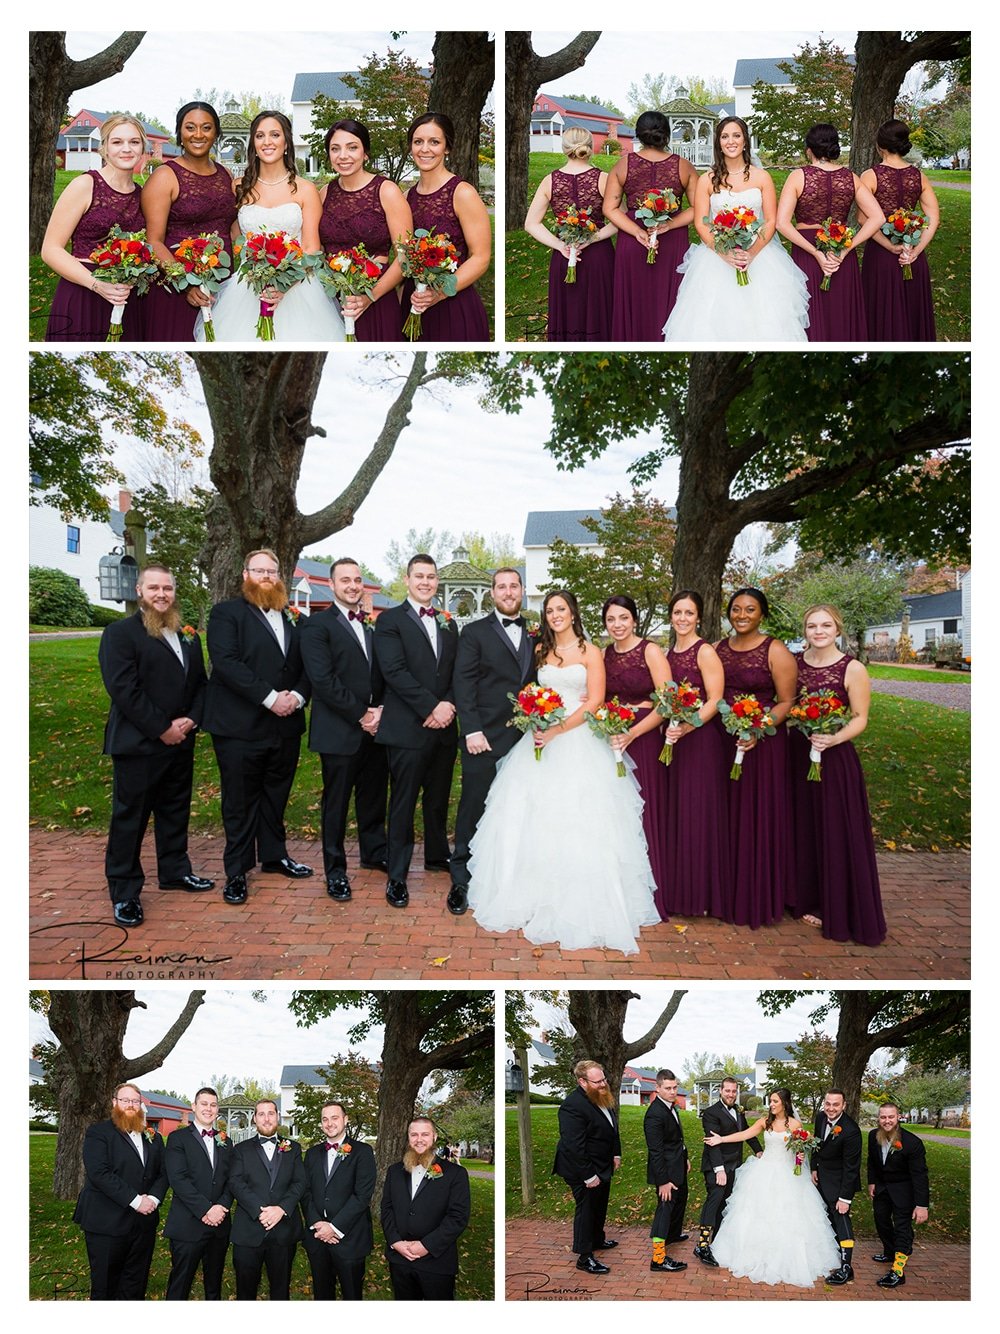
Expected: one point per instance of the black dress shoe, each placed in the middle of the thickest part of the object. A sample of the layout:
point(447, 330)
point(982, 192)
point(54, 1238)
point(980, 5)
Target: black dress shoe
point(288, 867)
point(845, 1274)
point(667, 1265)
point(437, 866)
point(236, 889)
point(590, 1265)
point(376, 866)
point(458, 902)
point(704, 1254)
point(685, 1236)
point(396, 894)
point(128, 912)
point(194, 884)
point(605, 1245)
point(338, 887)
point(882, 1259)
point(891, 1280)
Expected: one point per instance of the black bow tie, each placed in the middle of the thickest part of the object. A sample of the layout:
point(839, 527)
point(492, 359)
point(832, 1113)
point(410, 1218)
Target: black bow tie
point(272, 1140)
point(427, 611)
point(355, 616)
point(512, 620)
point(209, 1134)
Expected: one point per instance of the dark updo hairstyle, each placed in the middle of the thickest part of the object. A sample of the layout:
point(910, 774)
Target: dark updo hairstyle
point(246, 189)
point(546, 638)
point(196, 106)
point(691, 595)
point(786, 1104)
point(432, 118)
point(653, 129)
point(823, 142)
point(355, 127)
point(749, 593)
point(720, 168)
point(894, 137)
point(620, 600)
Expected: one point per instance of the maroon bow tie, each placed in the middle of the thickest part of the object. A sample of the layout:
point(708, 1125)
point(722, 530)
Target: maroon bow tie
point(355, 616)
point(332, 1146)
point(209, 1134)
point(427, 611)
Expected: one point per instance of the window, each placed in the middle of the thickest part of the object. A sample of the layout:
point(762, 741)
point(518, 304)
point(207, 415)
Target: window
point(930, 636)
point(73, 539)
point(951, 627)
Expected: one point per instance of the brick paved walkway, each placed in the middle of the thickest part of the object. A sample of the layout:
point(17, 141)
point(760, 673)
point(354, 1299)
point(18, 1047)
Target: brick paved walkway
point(538, 1256)
point(290, 930)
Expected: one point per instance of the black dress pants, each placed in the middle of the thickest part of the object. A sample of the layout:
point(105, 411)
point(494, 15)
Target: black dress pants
point(144, 785)
point(428, 768)
point(249, 1263)
point(415, 1285)
point(366, 774)
point(329, 1268)
point(668, 1220)
point(893, 1221)
point(588, 1218)
point(256, 778)
point(185, 1257)
point(119, 1266)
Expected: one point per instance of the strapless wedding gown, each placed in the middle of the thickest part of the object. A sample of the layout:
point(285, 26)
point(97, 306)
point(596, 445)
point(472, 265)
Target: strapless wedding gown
point(305, 313)
point(711, 306)
point(775, 1227)
point(559, 851)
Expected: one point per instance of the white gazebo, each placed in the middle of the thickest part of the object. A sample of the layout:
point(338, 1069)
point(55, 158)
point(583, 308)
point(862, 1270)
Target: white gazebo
point(692, 128)
point(465, 590)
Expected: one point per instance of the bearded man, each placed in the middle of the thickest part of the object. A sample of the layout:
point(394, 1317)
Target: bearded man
point(118, 1207)
point(155, 675)
point(253, 709)
point(588, 1154)
point(899, 1190)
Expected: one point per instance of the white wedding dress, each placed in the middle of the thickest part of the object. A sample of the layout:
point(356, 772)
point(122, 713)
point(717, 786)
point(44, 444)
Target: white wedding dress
point(712, 307)
point(559, 851)
point(775, 1227)
point(305, 313)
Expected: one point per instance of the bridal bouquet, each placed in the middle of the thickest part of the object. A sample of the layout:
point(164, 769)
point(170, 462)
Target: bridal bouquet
point(832, 239)
point(536, 709)
point(746, 719)
point(431, 260)
point(574, 226)
point(735, 229)
point(800, 1142)
point(904, 227)
point(124, 257)
point(612, 718)
point(201, 261)
point(269, 259)
point(349, 273)
point(678, 702)
point(818, 713)
point(655, 207)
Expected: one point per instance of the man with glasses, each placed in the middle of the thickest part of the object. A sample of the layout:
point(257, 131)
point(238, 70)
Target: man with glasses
point(119, 1205)
point(198, 1158)
point(253, 709)
point(588, 1154)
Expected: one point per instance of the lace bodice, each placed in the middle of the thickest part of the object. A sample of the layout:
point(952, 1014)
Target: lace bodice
point(436, 212)
point(830, 677)
point(684, 664)
point(747, 671)
point(353, 217)
point(203, 204)
point(825, 194)
point(582, 189)
point(896, 187)
point(571, 682)
point(642, 175)
point(281, 218)
point(107, 207)
point(627, 674)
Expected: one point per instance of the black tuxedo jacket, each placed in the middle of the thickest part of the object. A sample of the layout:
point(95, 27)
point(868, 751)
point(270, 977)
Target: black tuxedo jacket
point(487, 667)
point(148, 687)
point(344, 1200)
point(415, 681)
point(588, 1141)
point(195, 1184)
point(344, 682)
point(436, 1216)
point(115, 1175)
point(904, 1172)
point(837, 1161)
point(718, 1120)
point(247, 664)
point(250, 1183)
point(666, 1158)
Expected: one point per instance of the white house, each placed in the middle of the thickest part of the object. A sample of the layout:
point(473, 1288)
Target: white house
point(770, 1051)
point(301, 1074)
point(76, 545)
point(965, 583)
point(305, 89)
point(764, 69)
point(541, 529)
point(932, 617)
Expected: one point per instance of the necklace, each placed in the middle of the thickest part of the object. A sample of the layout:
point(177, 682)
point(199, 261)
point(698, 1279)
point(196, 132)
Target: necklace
point(283, 180)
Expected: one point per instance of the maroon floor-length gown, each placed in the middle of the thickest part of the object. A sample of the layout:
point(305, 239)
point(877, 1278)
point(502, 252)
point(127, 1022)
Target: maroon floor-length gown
point(356, 217)
point(644, 293)
point(838, 314)
point(836, 875)
point(759, 802)
point(898, 310)
point(461, 318)
point(79, 315)
point(628, 677)
point(580, 312)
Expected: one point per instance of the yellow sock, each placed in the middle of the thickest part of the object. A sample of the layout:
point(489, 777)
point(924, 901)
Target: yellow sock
point(659, 1250)
point(899, 1264)
point(705, 1235)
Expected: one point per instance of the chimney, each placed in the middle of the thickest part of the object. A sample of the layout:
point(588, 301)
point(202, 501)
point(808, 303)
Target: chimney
point(124, 501)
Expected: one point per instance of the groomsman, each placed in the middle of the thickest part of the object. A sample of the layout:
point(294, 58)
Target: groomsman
point(155, 676)
point(119, 1205)
point(899, 1190)
point(197, 1159)
point(415, 646)
point(268, 1181)
point(253, 709)
point(667, 1166)
point(340, 1182)
point(494, 659)
point(339, 656)
point(719, 1164)
point(836, 1173)
point(588, 1154)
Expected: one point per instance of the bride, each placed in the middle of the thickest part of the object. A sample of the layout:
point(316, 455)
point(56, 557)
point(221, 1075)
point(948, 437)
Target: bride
point(272, 197)
point(775, 1227)
point(711, 306)
point(559, 850)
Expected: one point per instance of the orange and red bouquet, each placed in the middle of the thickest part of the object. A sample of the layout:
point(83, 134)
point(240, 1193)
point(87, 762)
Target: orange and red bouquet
point(576, 227)
point(431, 260)
point(800, 1142)
point(124, 257)
point(654, 207)
point(677, 702)
point(200, 261)
point(746, 719)
point(536, 709)
point(818, 713)
point(350, 272)
point(612, 718)
point(904, 227)
point(734, 229)
point(269, 259)
point(833, 238)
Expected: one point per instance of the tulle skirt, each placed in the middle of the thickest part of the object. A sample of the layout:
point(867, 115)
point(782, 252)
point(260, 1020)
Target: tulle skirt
point(712, 307)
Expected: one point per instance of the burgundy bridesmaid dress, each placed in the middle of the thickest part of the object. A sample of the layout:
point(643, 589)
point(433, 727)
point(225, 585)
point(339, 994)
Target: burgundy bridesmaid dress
point(898, 310)
point(644, 293)
point(460, 318)
point(356, 217)
point(838, 314)
point(580, 312)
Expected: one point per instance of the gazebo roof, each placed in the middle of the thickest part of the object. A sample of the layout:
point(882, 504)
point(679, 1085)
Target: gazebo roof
point(683, 106)
point(461, 570)
point(237, 1100)
point(234, 120)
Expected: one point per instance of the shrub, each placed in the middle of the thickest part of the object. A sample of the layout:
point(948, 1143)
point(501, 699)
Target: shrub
point(54, 598)
point(105, 615)
point(612, 147)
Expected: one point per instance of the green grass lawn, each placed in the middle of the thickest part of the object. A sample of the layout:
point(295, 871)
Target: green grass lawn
point(950, 259)
point(885, 671)
point(916, 759)
point(949, 1132)
point(58, 1255)
point(632, 1199)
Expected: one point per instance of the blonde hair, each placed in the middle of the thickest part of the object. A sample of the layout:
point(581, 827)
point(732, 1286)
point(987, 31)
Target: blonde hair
point(577, 144)
point(112, 123)
point(835, 616)
point(581, 1068)
point(260, 551)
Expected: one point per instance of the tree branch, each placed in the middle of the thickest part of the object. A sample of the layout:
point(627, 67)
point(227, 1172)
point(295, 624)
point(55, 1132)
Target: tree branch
point(567, 58)
point(649, 1040)
point(157, 1054)
point(96, 68)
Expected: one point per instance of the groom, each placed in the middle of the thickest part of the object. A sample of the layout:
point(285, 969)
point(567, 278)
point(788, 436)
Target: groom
point(836, 1172)
point(719, 1164)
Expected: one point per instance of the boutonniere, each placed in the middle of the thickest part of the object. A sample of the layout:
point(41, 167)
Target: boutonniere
point(292, 614)
point(283, 1145)
point(434, 1171)
point(738, 1109)
point(149, 1134)
point(836, 1130)
point(189, 634)
point(897, 1143)
point(445, 615)
point(533, 630)
point(221, 1137)
point(344, 1149)
point(368, 621)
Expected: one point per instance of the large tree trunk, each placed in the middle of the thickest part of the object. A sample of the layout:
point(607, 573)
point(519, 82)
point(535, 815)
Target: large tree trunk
point(52, 78)
point(598, 1017)
point(464, 70)
point(525, 73)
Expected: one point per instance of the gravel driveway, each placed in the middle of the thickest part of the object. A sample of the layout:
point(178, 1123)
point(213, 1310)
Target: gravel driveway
point(957, 696)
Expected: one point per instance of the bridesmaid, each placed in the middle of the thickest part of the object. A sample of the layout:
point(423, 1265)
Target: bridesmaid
point(363, 207)
point(442, 202)
point(813, 193)
point(695, 828)
point(899, 311)
point(633, 669)
point(836, 878)
point(644, 294)
point(579, 312)
point(185, 197)
point(759, 803)
point(83, 215)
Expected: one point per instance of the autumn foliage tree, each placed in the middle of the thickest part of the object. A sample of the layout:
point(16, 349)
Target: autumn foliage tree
point(391, 91)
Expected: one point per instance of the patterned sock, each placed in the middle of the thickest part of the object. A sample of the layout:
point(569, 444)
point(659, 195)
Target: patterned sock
point(847, 1251)
point(705, 1235)
point(659, 1250)
point(899, 1264)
